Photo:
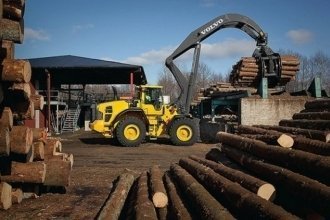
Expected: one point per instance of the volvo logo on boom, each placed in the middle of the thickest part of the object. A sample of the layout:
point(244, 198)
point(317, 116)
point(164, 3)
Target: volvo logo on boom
point(212, 26)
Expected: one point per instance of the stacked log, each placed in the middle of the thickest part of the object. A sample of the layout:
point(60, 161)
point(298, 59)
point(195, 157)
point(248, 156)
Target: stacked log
point(247, 71)
point(23, 164)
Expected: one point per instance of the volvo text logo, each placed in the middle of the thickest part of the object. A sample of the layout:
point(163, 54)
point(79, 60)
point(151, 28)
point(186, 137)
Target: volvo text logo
point(212, 26)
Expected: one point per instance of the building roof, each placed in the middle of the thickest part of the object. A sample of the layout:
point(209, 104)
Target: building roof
point(81, 70)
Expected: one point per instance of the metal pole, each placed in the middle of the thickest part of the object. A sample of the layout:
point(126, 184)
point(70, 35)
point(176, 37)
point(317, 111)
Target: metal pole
point(48, 100)
point(131, 84)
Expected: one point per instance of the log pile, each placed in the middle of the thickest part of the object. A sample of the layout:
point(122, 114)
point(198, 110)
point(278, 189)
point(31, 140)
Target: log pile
point(247, 71)
point(30, 162)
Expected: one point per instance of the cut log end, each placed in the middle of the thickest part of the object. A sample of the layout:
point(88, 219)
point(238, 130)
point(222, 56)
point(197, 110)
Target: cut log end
point(267, 191)
point(285, 141)
point(5, 200)
point(160, 200)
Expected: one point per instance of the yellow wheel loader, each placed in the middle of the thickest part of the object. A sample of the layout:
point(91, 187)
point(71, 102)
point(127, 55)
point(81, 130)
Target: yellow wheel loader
point(130, 121)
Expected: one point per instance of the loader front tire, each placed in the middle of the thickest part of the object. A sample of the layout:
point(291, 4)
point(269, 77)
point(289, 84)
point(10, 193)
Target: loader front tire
point(183, 132)
point(131, 131)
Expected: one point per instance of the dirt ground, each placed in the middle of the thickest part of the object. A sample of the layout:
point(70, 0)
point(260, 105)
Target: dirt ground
point(97, 162)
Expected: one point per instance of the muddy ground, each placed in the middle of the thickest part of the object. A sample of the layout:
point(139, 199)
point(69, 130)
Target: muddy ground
point(97, 162)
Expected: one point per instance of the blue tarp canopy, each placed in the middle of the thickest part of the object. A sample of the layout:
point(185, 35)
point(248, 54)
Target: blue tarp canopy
point(81, 70)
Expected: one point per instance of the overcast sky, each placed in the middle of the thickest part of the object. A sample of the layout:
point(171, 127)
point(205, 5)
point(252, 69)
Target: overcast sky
point(145, 32)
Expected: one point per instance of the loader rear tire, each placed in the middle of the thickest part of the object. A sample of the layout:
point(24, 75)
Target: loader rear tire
point(183, 132)
point(131, 131)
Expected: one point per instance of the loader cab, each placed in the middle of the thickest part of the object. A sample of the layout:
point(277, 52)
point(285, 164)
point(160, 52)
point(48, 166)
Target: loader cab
point(151, 99)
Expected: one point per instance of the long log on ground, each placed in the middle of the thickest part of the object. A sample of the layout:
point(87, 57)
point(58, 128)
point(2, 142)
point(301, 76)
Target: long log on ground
point(4, 141)
point(57, 173)
point(6, 120)
point(312, 115)
point(16, 70)
point(316, 194)
point(309, 164)
point(283, 140)
point(204, 203)
point(12, 30)
point(178, 208)
point(5, 196)
point(313, 146)
point(7, 50)
point(322, 125)
point(249, 204)
point(20, 139)
point(32, 172)
point(261, 188)
point(144, 208)
point(308, 133)
point(158, 192)
point(318, 104)
point(115, 203)
point(16, 196)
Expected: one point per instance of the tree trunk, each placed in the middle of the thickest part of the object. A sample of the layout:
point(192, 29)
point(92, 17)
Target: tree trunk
point(249, 204)
point(6, 120)
point(20, 139)
point(158, 195)
point(308, 133)
point(283, 140)
point(115, 203)
point(318, 104)
point(5, 197)
point(144, 209)
point(31, 172)
point(39, 150)
point(309, 164)
point(16, 196)
point(322, 125)
point(16, 70)
point(204, 203)
point(58, 173)
point(7, 50)
point(312, 146)
point(4, 141)
point(316, 194)
point(12, 30)
point(178, 210)
point(38, 101)
point(312, 116)
point(261, 188)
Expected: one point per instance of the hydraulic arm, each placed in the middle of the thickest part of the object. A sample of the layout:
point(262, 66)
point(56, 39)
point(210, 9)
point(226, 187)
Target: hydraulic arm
point(270, 61)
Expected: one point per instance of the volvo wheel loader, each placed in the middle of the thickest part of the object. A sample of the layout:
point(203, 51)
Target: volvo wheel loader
point(131, 121)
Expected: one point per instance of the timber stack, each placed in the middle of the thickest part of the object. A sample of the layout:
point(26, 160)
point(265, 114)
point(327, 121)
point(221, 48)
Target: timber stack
point(30, 162)
point(247, 71)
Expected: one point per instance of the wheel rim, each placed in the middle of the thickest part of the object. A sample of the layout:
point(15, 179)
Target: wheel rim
point(184, 133)
point(131, 132)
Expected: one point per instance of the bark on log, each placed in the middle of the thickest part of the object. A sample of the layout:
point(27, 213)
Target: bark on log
point(4, 141)
point(312, 146)
point(261, 188)
point(309, 164)
point(144, 209)
point(39, 150)
point(308, 133)
point(249, 204)
point(12, 30)
point(13, 11)
point(6, 120)
point(318, 104)
point(52, 146)
point(19, 92)
point(5, 196)
point(312, 115)
point(7, 50)
point(16, 196)
point(38, 101)
point(322, 125)
point(178, 208)
point(316, 194)
point(158, 192)
point(114, 204)
point(57, 173)
point(20, 139)
point(16, 70)
point(32, 172)
point(23, 110)
point(204, 203)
